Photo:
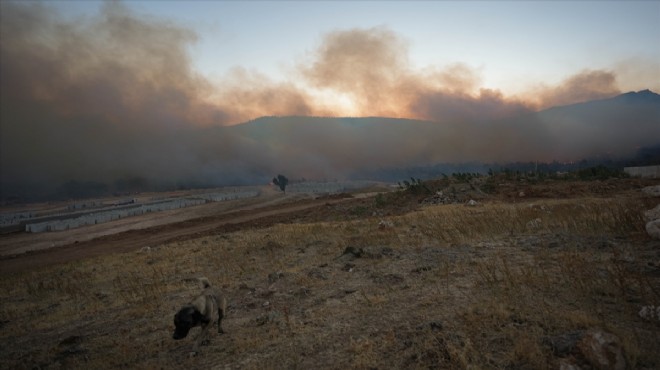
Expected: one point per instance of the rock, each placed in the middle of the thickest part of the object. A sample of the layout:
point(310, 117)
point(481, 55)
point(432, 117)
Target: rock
point(71, 346)
point(653, 214)
point(353, 251)
point(602, 350)
point(145, 249)
point(244, 286)
point(348, 267)
point(653, 229)
point(387, 251)
point(521, 194)
point(650, 313)
point(275, 276)
point(71, 340)
point(302, 292)
point(318, 274)
point(261, 319)
point(421, 269)
point(472, 203)
point(568, 364)
point(436, 325)
point(384, 224)
point(562, 345)
point(653, 191)
point(534, 224)
point(270, 317)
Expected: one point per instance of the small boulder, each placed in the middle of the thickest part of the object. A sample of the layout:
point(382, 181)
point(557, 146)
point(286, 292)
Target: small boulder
point(653, 191)
point(603, 350)
point(562, 345)
point(534, 224)
point(275, 276)
point(568, 364)
point(652, 214)
point(384, 224)
point(650, 313)
point(653, 229)
point(353, 251)
point(471, 203)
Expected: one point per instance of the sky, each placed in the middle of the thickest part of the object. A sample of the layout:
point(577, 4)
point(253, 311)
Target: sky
point(117, 90)
point(514, 47)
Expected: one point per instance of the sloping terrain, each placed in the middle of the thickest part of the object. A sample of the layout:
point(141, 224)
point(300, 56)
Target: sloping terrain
point(381, 282)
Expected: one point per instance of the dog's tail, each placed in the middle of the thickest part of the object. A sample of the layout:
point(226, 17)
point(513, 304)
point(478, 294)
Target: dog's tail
point(204, 282)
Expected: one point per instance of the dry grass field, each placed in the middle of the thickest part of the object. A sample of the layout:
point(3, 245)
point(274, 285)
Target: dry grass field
point(513, 282)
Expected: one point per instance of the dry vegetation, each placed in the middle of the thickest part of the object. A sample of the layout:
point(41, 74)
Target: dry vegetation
point(445, 286)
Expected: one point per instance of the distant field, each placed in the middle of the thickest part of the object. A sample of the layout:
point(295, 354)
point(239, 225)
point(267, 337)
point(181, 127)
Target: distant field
point(62, 223)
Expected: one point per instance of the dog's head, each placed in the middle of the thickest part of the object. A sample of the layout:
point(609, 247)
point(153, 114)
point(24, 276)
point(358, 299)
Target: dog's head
point(184, 320)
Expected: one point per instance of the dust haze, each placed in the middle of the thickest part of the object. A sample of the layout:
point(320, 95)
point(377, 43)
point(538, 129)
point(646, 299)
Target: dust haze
point(115, 97)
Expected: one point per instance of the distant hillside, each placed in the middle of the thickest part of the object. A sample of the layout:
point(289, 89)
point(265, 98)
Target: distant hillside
point(324, 148)
point(618, 126)
point(615, 127)
point(643, 104)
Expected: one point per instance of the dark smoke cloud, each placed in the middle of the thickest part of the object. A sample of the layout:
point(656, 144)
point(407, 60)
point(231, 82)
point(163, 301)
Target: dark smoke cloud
point(104, 98)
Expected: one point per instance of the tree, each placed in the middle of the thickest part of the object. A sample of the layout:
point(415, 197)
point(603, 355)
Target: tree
point(281, 181)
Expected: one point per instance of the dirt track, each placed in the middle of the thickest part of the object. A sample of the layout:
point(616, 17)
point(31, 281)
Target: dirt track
point(265, 213)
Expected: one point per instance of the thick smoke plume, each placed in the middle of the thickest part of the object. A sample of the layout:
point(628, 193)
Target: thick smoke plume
point(115, 99)
point(104, 99)
point(371, 67)
point(584, 86)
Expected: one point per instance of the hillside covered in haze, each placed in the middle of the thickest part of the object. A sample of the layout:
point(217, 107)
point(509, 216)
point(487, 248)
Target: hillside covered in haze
point(318, 147)
point(616, 127)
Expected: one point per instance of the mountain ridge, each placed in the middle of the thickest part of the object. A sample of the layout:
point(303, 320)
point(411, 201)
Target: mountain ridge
point(641, 96)
point(613, 127)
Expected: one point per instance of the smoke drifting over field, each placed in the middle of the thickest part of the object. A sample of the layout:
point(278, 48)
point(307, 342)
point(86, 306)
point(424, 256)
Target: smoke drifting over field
point(116, 97)
point(101, 99)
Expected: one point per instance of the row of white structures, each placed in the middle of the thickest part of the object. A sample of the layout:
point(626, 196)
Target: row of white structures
point(327, 187)
point(107, 215)
point(645, 171)
point(14, 218)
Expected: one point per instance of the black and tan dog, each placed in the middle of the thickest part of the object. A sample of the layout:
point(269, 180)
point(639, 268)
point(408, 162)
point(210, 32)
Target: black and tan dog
point(201, 311)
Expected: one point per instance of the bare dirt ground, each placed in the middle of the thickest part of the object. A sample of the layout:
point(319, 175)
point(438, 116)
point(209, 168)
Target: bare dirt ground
point(21, 251)
point(17, 243)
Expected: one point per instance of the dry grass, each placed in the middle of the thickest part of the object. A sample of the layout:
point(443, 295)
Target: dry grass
point(444, 287)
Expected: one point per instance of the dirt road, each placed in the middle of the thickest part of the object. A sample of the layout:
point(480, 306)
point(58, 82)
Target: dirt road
point(264, 213)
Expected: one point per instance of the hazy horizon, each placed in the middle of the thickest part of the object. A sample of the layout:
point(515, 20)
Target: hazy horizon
point(102, 91)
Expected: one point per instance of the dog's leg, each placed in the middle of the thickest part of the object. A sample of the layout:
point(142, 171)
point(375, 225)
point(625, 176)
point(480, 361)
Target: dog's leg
point(220, 316)
point(222, 311)
point(201, 338)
